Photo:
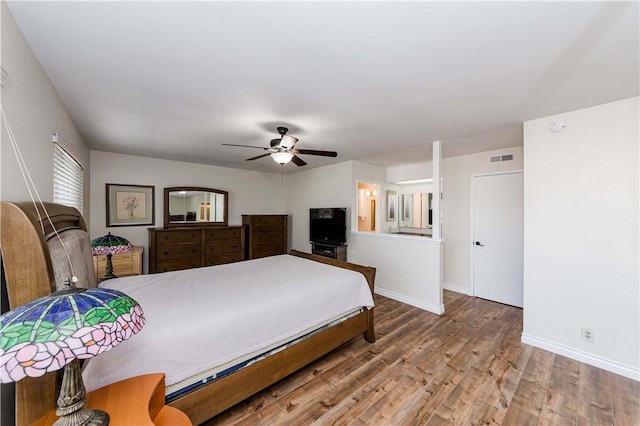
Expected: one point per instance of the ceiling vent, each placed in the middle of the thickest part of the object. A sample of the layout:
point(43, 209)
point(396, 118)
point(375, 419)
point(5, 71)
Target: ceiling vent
point(501, 158)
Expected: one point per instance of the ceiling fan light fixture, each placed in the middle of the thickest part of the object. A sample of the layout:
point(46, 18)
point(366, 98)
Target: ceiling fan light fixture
point(282, 150)
point(287, 142)
point(282, 157)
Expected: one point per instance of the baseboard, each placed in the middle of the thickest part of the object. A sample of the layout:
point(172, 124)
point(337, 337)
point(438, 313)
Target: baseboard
point(606, 364)
point(457, 289)
point(439, 310)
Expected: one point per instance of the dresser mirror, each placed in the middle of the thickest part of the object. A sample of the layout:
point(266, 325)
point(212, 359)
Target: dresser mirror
point(195, 206)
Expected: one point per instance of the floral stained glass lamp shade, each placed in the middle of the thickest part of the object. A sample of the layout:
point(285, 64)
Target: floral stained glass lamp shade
point(56, 331)
point(109, 245)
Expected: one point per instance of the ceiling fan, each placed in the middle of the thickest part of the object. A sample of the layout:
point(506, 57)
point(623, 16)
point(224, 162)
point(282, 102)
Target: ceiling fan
point(282, 150)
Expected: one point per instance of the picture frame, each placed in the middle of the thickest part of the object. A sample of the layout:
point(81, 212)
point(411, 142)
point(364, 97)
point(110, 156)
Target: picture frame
point(392, 205)
point(130, 205)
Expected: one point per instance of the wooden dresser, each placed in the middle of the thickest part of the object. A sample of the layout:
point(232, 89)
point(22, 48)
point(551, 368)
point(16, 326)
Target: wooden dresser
point(266, 234)
point(172, 249)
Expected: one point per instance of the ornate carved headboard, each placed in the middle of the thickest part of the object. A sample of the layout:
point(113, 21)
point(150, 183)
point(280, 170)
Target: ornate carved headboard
point(29, 275)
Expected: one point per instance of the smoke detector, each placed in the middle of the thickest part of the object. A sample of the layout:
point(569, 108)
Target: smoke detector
point(557, 126)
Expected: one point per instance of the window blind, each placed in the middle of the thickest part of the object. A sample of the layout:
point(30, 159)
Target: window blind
point(68, 178)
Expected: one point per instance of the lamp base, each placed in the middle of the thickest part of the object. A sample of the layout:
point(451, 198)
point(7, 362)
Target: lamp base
point(72, 399)
point(108, 270)
point(84, 416)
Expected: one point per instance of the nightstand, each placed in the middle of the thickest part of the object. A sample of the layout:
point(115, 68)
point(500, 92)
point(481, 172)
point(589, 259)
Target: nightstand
point(135, 401)
point(124, 264)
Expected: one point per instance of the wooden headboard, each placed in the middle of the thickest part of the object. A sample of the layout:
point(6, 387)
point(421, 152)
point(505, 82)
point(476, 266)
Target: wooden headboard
point(29, 275)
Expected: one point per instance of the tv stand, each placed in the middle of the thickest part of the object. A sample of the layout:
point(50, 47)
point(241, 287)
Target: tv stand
point(329, 250)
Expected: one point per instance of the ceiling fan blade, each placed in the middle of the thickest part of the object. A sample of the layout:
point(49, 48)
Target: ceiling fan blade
point(298, 161)
point(316, 152)
point(255, 158)
point(246, 146)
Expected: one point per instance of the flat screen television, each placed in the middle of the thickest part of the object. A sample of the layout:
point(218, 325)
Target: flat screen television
point(328, 225)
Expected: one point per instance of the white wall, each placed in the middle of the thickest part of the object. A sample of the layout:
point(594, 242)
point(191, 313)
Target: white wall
point(409, 172)
point(456, 210)
point(328, 186)
point(34, 111)
point(407, 268)
point(249, 192)
point(581, 235)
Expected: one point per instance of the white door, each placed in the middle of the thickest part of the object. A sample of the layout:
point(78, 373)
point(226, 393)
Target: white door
point(498, 233)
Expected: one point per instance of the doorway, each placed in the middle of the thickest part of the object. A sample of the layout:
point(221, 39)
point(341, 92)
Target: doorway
point(498, 237)
point(367, 201)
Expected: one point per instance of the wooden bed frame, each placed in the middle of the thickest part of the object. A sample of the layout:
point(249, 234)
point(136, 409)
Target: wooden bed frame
point(29, 275)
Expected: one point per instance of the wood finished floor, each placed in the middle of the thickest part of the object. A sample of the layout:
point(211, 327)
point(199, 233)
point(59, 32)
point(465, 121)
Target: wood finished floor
point(466, 367)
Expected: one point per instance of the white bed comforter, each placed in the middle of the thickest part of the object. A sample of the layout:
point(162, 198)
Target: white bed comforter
point(201, 318)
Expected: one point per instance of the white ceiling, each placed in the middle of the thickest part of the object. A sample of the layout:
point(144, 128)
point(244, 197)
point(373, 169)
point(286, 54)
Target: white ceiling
point(374, 81)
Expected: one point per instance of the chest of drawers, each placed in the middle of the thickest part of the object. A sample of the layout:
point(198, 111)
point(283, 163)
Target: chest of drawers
point(266, 235)
point(172, 249)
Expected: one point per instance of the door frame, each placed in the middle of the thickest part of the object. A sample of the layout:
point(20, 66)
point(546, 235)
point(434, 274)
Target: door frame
point(471, 250)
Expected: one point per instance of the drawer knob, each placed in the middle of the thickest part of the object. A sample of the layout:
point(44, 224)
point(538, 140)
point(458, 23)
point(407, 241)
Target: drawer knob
point(166, 237)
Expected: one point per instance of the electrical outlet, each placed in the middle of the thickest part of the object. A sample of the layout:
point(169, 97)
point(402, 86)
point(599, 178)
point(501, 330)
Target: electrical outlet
point(588, 335)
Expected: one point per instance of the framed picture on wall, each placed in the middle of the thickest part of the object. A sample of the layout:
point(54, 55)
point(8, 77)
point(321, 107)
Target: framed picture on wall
point(130, 205)
point(392, 205)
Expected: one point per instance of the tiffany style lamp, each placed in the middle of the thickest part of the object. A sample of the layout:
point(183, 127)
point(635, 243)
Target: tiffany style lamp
point(109, 245)
point(56, 331)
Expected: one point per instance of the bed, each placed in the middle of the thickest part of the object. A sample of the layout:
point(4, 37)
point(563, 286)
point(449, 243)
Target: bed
point(30, 274)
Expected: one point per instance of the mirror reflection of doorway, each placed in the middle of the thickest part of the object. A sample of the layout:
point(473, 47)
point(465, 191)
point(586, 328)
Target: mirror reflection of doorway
point(373, 215)
point(205, 214)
